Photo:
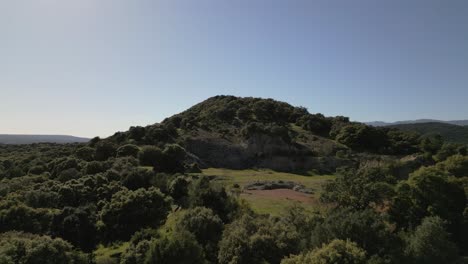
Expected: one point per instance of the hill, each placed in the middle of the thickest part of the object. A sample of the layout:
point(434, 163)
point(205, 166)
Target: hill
point(450, 133)
point(30, 139)
point(418, 121)
point(241, 133)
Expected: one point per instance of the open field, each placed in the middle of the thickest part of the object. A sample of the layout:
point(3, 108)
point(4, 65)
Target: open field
point(272, 201)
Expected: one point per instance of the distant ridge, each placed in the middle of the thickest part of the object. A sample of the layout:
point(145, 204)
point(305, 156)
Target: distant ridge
point(30, 139)
point(418, 121)
point(450, 133)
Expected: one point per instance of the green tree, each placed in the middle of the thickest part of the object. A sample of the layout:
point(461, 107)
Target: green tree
point(362, 137)
point(257, 240)
point(430, 243)
point(206, 226)
point(105, 150)
point(178, 247)
point(456, 165)
point(431, 144)
point(359, 189)
point(85, 153)
point(427, 193)
point(365, 227)
point(337, 251)
point(129, 211)
point(25, 248)
point(150, 156)
point(77, 226)
point(128, 150)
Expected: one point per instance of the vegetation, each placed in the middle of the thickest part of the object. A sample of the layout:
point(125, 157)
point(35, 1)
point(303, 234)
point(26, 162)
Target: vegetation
point(367, 195)
point(450, 133)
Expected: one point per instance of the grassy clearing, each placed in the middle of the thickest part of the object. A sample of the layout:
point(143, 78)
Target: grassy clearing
point(268, 204)
point(111, 254)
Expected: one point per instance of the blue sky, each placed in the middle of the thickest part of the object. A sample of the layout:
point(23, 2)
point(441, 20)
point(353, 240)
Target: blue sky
point(93, 67)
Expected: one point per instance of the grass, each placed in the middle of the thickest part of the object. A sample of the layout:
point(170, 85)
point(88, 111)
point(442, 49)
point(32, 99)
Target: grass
point(270, 205)
point(111, 254)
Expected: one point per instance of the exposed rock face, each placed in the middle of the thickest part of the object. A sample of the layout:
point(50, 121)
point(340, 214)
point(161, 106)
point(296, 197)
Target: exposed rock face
point(262, 151)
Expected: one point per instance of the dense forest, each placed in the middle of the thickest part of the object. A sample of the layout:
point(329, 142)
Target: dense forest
point(141, 196)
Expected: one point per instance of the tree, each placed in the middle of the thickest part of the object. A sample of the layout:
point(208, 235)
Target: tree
point(173, 159)
point(150, 156)
point(85, 153)
point(136, 178)
point(128, 150)
point(202, 193)
point(129, 211)
point(317, 124)
point(430, 243)
point(16, 247)
point(456, 165)
point(431, 144)
point(366, 228)
point(178, 188)
point(359, 188)
point(206, 226)
point(337, 251)
point(257, 240)
point(178, 247)
point(77, 226)
point(426, 193)
point(362, 137)
point(105, 150)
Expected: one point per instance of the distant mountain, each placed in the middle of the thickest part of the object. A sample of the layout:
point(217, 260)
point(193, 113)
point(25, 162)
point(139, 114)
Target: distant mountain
point(418, 121)
point(29, 139)
point(449, 132)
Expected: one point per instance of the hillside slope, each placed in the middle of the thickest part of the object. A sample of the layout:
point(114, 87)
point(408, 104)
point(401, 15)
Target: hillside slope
point(450, 133)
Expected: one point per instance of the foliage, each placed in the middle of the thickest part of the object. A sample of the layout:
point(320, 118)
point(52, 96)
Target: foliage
point(367, 228)
point(179, 247)
point(128, 211)
point(203, 193)
point(128, 150)
point(450, 133)
point(430, 243)
point(25, 248)
point(206, 227)
point(337, 251)
point(257, 240)
point(456, 165)
point(359, 188)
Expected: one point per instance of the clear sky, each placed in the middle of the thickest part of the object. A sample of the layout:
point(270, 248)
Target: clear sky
point(93, 67)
